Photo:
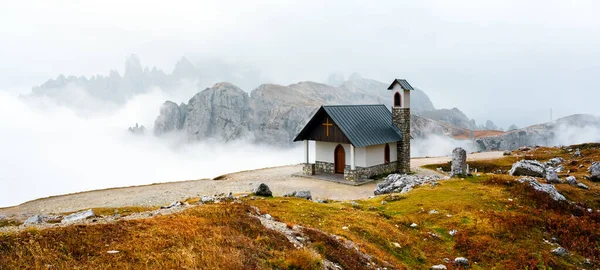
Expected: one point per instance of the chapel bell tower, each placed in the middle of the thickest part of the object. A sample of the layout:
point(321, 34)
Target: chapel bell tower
point(401, 89)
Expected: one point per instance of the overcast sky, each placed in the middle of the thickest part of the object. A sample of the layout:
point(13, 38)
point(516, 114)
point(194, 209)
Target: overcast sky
point(508, 61)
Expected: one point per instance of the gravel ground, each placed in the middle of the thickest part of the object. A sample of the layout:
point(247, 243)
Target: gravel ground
point(279, 179)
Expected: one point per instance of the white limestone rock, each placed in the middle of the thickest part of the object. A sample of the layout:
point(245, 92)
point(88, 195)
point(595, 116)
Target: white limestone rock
point(552, 176)
point(78, 216)
point(547, 188)
point(439, 267)
point(402, 183)
point(571, 180)
point(462, 261)
point(594, 171)
point(37, 219)
point(560, 251)
point(528, 168)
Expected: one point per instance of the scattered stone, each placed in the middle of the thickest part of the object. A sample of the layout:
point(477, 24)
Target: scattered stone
point(554, 162)
point(459, 162)
point(78, 216)
point(322, 201)
point(524, 148)
point(571, 180)
point(383, 202)
point(438, 267)
point(577, 153)
point(304, 194)
point(207, 199)
point(354, 204)
point(402, 183)
point(263, 190)
point(582, 185)
point(560, 251)
point(2, 217)
point(344, 228)
point(528, 168)
point(172, 205)
point(506, 153)
point(396, 245)
point(547, 188)
point(112, 251)
point(269, 217)
point(594, 171)
point(552, 176)
point(461, 261)
point(37, 219)
point(433, 212)
point(414, 225)
point(439, 169)
point(452, 232)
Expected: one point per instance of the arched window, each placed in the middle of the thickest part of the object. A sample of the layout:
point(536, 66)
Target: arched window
point(386, 154)
point(397, 100)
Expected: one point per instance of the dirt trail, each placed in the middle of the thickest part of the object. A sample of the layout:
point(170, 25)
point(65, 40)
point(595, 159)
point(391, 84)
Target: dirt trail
point(279, 179)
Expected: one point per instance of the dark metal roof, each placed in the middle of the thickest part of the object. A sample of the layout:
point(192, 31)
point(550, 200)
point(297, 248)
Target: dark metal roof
point(364, 125)
point(403, 83)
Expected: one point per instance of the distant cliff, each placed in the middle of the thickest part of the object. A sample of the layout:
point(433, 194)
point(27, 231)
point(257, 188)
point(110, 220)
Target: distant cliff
point(274, 114)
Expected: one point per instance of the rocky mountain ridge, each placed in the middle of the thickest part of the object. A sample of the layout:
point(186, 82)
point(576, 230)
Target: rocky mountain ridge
point(274, 114)
point(577, 128)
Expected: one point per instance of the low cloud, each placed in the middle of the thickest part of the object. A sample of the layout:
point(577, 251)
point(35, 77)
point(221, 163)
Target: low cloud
point(47, 149)
point(437, 145)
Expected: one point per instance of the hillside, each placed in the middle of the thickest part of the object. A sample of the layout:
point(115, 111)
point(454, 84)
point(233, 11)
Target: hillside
point(490, 219)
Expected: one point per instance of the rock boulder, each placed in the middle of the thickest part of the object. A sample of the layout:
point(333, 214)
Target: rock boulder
point(594, 171)
point(546, 188)
point(78, 216)
point(402, 183)
point(528, 168)
point(263, 190)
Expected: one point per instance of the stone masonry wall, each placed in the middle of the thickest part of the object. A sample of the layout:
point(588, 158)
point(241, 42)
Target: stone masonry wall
point(401, 118)
point(359, 172)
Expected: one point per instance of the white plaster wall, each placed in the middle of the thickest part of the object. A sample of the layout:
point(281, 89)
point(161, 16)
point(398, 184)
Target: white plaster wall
point(360, 157)
point(375, 154)
point(325, 151)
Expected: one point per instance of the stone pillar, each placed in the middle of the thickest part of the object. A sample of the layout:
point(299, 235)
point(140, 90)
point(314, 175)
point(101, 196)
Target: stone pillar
point(306, 151)
point(459, 162)
point(352, 166)
point(401, 118)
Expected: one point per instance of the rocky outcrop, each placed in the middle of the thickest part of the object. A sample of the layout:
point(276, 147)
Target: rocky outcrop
point(402, 183)
point(594, 171)
point(459, 162)
point(546, 188)
point(528, 168)
point(171, 118)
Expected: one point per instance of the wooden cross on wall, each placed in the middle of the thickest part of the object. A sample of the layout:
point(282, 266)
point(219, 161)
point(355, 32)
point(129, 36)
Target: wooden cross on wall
point(327, 125)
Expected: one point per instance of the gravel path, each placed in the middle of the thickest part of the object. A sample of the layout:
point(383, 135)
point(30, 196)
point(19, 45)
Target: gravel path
point(279, 179)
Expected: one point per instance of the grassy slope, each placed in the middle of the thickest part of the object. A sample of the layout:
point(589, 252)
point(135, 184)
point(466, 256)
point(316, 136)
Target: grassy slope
point(493, 231)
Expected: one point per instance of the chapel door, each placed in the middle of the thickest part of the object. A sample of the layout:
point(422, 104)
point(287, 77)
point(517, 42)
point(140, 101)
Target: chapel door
point(340, 159)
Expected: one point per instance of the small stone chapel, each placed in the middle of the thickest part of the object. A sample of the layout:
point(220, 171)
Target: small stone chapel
point(360, 141)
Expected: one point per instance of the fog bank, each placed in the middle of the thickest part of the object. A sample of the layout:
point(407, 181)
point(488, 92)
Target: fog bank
point(49, 150)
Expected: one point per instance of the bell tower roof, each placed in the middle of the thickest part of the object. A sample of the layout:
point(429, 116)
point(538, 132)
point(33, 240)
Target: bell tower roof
point(403, 83)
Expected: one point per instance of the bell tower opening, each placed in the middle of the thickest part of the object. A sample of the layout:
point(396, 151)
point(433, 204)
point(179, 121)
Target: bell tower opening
point(397, 100)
